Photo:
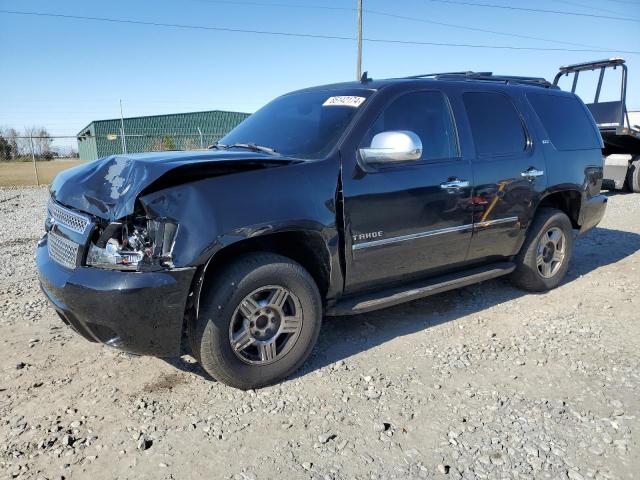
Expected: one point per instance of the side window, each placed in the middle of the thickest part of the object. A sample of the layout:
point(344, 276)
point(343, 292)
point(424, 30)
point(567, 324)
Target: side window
point(426, 114)
point(565, 120)
point(495, 124)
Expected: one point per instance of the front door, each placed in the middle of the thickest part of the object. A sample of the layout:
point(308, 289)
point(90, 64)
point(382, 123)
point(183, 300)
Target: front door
point(410, 219)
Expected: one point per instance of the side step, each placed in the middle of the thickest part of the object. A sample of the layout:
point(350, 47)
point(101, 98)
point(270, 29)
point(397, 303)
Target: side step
point(423, 288)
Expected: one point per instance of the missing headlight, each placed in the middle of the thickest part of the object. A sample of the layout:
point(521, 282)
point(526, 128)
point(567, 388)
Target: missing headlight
point(138, 244)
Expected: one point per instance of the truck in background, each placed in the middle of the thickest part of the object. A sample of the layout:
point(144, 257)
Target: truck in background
point(620, 129)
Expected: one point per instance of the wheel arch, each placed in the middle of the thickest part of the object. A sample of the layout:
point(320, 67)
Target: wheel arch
point(307, 247)
point(567, 200)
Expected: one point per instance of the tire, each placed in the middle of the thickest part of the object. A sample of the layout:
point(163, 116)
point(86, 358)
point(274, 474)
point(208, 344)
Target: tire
point(258, 321)
point(633, 176)
point(548, 226)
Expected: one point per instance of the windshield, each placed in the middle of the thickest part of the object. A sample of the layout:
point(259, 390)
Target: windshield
point(303, 125)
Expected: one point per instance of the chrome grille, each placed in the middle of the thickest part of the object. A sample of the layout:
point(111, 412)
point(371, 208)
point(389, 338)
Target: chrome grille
point(63, 251)
point(67, 218)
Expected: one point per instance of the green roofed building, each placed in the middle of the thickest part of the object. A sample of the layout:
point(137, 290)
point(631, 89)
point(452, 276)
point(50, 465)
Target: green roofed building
point(176, 131)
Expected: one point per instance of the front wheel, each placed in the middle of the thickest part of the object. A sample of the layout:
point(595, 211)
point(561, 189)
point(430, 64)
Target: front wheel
point(258, 322)
point(544, 258)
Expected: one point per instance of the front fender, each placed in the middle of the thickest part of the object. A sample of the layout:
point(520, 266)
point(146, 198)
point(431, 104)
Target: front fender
point(216, 212)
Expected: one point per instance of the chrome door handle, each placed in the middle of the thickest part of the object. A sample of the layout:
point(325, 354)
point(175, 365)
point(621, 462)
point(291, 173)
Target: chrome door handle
point(454, 184)
point(532, 173)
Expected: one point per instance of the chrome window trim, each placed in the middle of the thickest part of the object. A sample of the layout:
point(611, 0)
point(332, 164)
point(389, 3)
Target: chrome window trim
point(430, 233)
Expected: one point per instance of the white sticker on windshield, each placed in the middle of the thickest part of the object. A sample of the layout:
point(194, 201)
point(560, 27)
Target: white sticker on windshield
point(344, 101)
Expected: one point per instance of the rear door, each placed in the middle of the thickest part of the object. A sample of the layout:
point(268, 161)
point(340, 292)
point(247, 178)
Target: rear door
point(508, 170)
point(411, 219)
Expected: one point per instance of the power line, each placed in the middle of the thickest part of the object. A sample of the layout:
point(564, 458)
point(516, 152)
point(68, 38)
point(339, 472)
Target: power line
point(627, 2)
point(590, 7)
point(484, 30)
point(176, 25)
point(392, 15)
point(276, 4)
point(536, 10)
point(308, 35)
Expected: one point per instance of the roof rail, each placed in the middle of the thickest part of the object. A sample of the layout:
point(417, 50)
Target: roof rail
point(487, 76)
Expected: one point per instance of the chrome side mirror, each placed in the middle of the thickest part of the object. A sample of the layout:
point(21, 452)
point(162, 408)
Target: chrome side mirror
point(392, 147)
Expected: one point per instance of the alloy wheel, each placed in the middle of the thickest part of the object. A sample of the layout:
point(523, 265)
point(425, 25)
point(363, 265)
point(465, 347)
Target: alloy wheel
point(266, 325)
point(551, 252)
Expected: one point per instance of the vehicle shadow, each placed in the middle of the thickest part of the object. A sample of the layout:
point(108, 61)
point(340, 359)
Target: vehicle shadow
point(186, 363)
point(344, 337)
point(615, 193)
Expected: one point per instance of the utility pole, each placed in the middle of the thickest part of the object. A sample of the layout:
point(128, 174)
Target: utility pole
point(33, 158)
point(359, 61)
point(201, 140)
point(124, 140)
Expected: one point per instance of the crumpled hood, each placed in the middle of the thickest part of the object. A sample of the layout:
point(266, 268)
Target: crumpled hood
point(108, 187)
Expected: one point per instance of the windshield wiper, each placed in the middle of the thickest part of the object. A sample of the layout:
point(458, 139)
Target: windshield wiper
point(249, 146)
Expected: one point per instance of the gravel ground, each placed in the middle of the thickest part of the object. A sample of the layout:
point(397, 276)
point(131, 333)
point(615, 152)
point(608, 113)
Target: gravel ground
point(483, 382)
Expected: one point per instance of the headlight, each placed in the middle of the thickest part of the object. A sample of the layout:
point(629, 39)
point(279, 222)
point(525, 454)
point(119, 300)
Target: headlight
point(139, 244)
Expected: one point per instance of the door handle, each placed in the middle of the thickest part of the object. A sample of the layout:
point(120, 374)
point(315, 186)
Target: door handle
point(454, 184)
point(532, 173)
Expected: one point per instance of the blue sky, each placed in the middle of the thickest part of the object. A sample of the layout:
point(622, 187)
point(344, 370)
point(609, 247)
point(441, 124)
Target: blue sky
point(63, 73)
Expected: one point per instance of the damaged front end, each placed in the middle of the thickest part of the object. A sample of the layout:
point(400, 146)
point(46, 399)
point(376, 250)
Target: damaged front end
point(114, 281)
point(137, 243)
point(125, 238)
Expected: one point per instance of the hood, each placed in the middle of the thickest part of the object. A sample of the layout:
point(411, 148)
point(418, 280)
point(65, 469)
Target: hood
point(108, 187)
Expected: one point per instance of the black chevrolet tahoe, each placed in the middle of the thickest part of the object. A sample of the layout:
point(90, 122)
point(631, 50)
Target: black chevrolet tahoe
point(333, 200)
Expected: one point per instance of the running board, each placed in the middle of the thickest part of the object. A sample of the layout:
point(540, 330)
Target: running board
point(423, 288)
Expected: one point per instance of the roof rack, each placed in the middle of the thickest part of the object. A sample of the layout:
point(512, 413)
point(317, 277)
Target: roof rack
point(489, 77)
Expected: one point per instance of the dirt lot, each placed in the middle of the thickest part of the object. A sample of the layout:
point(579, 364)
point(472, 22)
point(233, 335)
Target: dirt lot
point(484, 382)
point(21, 173)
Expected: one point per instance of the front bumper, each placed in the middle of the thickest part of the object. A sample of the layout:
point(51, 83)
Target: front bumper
point(139, 312)
point(592, 212)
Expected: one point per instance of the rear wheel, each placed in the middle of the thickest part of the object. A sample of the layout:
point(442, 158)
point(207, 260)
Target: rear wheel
point(544, 258)
point(633, 176)
point(258, 321)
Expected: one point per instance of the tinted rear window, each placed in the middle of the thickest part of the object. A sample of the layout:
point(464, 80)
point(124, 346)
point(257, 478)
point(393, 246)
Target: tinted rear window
point(566, 121)
point(495, 124)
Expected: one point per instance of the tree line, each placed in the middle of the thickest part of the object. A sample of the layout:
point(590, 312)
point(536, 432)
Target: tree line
point(20, 146)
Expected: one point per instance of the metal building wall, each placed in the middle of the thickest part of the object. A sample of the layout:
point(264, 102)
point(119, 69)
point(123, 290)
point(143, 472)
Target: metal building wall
point(87, 148)
point(152, 133)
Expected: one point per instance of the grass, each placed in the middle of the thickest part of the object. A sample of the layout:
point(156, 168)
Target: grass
point(21, 173)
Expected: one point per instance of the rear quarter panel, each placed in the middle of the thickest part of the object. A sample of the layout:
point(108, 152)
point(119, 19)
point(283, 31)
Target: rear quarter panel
point(579, 170)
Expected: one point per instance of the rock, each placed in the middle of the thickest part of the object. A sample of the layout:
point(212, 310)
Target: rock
point(443, 469)
point(144, 443)
point(574, 475)
point(325, 437)
point(307, 465)
point(380, 427)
